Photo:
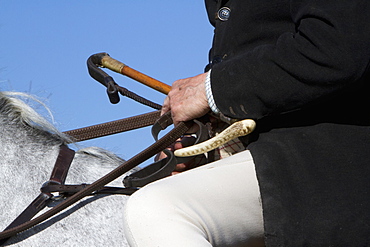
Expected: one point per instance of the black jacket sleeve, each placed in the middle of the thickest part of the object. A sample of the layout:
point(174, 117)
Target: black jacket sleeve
point(326, 53)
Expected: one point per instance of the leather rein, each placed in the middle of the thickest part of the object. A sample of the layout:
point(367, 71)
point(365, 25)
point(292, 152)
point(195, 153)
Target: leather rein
point(74, 193)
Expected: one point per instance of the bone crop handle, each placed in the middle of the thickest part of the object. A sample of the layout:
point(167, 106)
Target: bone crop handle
point(104, 60)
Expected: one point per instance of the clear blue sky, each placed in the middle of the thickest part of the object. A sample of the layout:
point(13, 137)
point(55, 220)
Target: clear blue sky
point(44, 46)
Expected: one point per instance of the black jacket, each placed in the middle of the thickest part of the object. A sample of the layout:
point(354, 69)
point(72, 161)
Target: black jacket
point(301, 70)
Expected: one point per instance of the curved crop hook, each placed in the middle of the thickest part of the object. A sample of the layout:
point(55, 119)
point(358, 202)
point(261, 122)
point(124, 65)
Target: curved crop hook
point(98, 74)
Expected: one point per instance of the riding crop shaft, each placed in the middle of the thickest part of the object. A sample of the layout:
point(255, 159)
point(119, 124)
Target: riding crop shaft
point(104, 60)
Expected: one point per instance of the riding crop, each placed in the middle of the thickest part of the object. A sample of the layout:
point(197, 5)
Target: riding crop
point(236, 129)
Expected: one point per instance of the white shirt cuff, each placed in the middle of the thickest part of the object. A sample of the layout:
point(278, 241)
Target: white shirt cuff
point(210, 99)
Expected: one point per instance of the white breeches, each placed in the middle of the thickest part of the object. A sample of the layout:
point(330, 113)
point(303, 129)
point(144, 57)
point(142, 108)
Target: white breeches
point(217, 204)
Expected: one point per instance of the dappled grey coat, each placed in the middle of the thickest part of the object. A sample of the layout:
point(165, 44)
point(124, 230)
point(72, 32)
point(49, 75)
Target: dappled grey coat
point(300, 68)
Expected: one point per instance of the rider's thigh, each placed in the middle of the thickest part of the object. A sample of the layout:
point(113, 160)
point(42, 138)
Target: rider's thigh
point(214, 205)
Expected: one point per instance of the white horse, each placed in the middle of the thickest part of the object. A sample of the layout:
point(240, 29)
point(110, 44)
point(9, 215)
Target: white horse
point(29, 146)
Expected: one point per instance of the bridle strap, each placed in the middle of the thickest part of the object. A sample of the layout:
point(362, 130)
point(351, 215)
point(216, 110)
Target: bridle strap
point(66, 190)
point(58, 176)
point(113, 127)
point(62, 165)
point(36, 206)
point(152, 150)
point(166, 166)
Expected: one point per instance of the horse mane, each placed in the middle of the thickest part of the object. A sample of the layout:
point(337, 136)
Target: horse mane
point(13, 106)
point(105, 156)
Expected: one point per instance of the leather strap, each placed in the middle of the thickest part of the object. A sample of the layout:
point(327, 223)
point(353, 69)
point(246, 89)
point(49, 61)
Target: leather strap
point(112, 87)
point(152, 172)
point(163, 167)
point(58, 176)
point(68, 190)
point(36, 206)
point(62, 165)
point(113, 127)
point(152, 150)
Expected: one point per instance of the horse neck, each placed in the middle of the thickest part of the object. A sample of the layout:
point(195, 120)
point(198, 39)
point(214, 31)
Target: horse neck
point(27, 156)
point(25, 148)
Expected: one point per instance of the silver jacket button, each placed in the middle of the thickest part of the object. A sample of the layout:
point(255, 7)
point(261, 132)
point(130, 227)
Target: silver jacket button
point(223, 14)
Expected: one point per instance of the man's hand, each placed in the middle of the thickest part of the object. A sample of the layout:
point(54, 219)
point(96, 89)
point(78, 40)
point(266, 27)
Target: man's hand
point(187, 99)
